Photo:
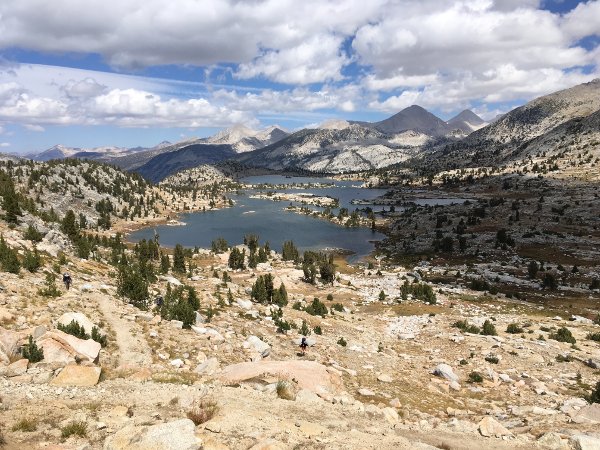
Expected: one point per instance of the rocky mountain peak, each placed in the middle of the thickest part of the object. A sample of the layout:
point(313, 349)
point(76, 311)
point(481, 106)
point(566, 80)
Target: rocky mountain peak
point(415, 118)
point(466, 121)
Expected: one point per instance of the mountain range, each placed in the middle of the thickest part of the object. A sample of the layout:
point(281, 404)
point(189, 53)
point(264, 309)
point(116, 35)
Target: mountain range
point(562, 122)
point(412, 135)
point(335, 146)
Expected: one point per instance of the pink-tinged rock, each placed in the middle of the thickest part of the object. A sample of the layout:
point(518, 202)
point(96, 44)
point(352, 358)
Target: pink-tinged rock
point(10, 341)
point(490, 427)
point(55, 353)
point(6, 316)
point(83, 349)
point(176, 435)
point(74, 375)
point(143, 374)
point(17, 368)
point(309, 375)
point(587, 414)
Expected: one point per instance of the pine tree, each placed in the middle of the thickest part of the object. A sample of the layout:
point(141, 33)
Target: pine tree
point(32, 352)
point(32, 261)
point(165, 263)
point(193, 299)
point(251, 240)
point(132, 285)
point(310, 272)
point(289, 251)
point(69, 225)
point(262, 255)
point(252, 260)
point(179, 259)
point(236, 259)
point(8, 258)
point(32, 234)
point(327, 271)
point(10, 200)
point(283, 296)
point(259, 291)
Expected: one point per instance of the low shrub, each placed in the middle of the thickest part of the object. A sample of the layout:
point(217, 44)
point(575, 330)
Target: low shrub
point(594, 337)
point(475, 377)
point(74, 329)
point(32, 352)
point(25, 425)
point(316, 308)
point(202, 410)
point(488, 329)
point(465, 326)
point(514, 328)
point(594, 397)
point(74, 429)
point(285, 391)
point(341, 341)
point(563, 334)
point(492, 359)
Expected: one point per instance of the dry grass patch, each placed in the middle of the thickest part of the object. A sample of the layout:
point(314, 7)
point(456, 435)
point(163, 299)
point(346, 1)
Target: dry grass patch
point(202, 410)
point(285, 390)
point(25, 425)
point(175, 378)
point(74, 429)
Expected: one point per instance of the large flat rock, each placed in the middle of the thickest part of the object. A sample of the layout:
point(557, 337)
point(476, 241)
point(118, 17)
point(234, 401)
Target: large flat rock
point(590, 413)
point(176, 435)
point(85, 349)
point(73, 375)
point(309, 375)
point(9, 343)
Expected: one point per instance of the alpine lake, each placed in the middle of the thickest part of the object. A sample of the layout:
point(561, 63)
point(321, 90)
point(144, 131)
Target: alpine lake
point(274, 224)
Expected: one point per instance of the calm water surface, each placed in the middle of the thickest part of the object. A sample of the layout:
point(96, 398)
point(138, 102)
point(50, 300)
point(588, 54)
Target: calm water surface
point(270, 220)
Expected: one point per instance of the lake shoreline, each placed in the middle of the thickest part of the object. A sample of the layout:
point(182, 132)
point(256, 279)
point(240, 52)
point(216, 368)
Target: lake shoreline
point(249, 213)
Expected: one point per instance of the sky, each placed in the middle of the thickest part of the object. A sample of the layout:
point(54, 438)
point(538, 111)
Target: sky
point(137, 72)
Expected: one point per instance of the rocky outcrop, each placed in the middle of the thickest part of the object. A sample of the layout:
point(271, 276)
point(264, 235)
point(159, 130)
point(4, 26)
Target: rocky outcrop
point(61, 347)
point(309, 375)
point(74, 375)
point(176, 435)
point(10, 341)
point(490, 427)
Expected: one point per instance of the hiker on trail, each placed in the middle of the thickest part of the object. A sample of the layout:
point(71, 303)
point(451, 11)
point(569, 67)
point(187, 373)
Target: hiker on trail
point(67, 280)
point(303, 345)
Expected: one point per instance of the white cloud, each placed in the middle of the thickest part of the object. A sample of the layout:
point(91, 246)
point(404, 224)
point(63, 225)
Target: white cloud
point(584, 20)
point(317, 59)
point(4, 144)
point(33, 127)
point(504, 84)
point(43, 95)
point(398, 80)
point(398, 102)
point(141, 33)
point(465, 35)
point(132, 107)
point(86, 88)
point(377, 54)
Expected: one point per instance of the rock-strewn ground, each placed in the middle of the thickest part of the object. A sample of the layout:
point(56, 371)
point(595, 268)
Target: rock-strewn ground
point(380, 389)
